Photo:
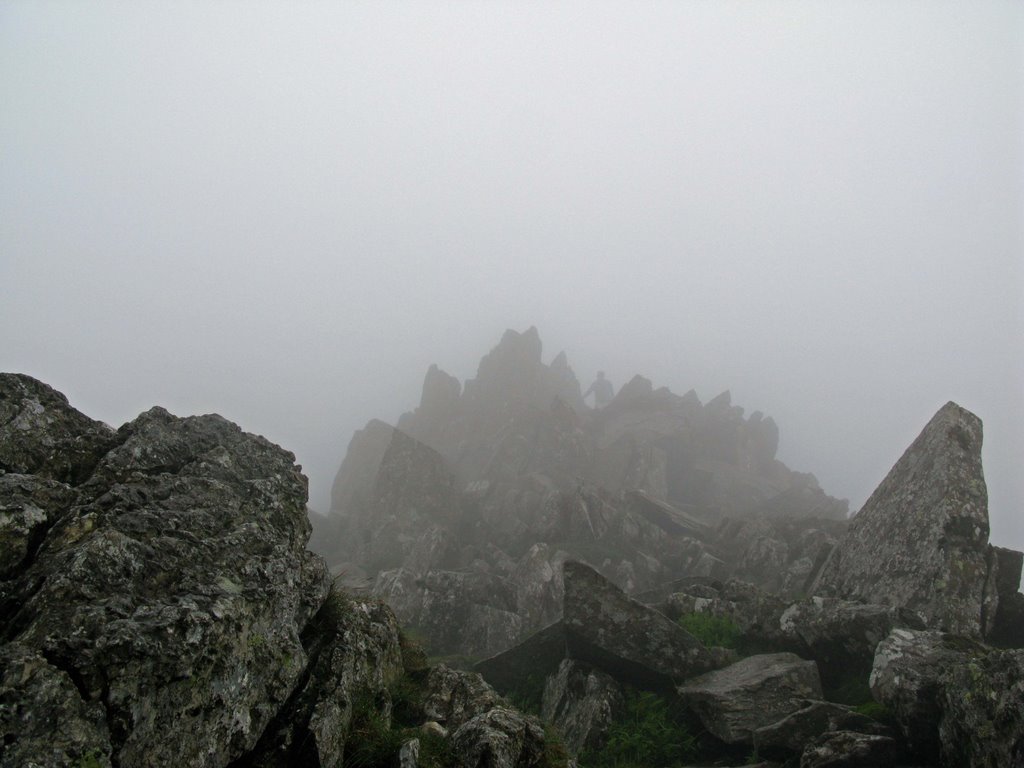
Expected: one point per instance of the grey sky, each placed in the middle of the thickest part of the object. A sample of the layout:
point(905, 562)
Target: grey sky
point(285, 214)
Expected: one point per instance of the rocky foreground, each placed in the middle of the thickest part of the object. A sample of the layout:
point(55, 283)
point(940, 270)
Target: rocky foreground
point(158, 608)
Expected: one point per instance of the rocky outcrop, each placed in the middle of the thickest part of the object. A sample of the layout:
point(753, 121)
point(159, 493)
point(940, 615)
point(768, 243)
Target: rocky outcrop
point(736, 701)
point(512, 474)
point(158, 607)
point(173, 586)
point(920, 541)
point(956, 701)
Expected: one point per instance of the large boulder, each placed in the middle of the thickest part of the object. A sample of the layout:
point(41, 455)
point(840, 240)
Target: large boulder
point(625, 638)
point(500, 738)
point(734, 702)
point(453, 696)
point(920, 540)
point(170, 586)
point(956, 701)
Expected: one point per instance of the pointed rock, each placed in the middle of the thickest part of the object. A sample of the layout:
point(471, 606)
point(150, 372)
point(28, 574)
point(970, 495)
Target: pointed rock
point(920, 541)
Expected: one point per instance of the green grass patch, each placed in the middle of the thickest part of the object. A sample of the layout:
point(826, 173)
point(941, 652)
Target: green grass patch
point(712, 630)
point(528, 694)
point(877, 711)
point(647, 733)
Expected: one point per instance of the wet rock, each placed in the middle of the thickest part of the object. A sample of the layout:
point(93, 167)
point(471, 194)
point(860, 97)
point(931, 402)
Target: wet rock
point(796, 730)
point(907, 679)
point(1002, 614)
point(757, 691)
point(609, 630)
point(581, 702)
point(842, 636)
point(956, 701)
point(852, 749)
point(983, 711)
point(42, 435)
point(43, 719)
point(173, 589)
point(499, 738)
point(354, 657)
point(453, 697)
point(920, 541)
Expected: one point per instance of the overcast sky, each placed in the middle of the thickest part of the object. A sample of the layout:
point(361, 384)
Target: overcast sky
point(285, 214)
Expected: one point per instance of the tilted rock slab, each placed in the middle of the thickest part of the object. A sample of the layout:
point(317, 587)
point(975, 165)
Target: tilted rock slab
point(169, 585)
point(920, 541)
point(625, 638)
point(737, 700)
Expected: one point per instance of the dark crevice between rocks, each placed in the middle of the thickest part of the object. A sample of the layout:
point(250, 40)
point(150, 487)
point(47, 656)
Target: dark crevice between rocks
point(117, 734)
point(292, 719)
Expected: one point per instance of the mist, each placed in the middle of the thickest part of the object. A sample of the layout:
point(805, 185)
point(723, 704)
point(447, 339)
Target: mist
point(284, 215)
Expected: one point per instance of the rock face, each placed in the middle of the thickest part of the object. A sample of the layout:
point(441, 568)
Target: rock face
point(920, 541)
point(736, 701)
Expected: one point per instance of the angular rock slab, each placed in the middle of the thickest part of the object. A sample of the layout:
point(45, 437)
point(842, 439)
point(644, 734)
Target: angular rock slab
point(757, 691)
point(920, 541)
point(625, 638)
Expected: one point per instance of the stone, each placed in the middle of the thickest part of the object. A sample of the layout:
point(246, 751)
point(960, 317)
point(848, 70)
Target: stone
point(582, 703)
point(355, 656)
point(625, 638)
point(734, 702)
point(452, 697)
point(793, 732)
point(851, 749)
point(409, 754)
point(957, 702)
point(173, 588)
point(842, 635)
point(983, 706)
point(920, 541)
point(499, 738)
point(43, 719)
point(907, 679)
point(42, 435)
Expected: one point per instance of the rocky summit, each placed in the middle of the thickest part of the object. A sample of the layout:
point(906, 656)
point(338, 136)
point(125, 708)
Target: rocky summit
point(649, 567)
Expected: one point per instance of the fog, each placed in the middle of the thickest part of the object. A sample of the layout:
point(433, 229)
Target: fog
point(286, 214)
